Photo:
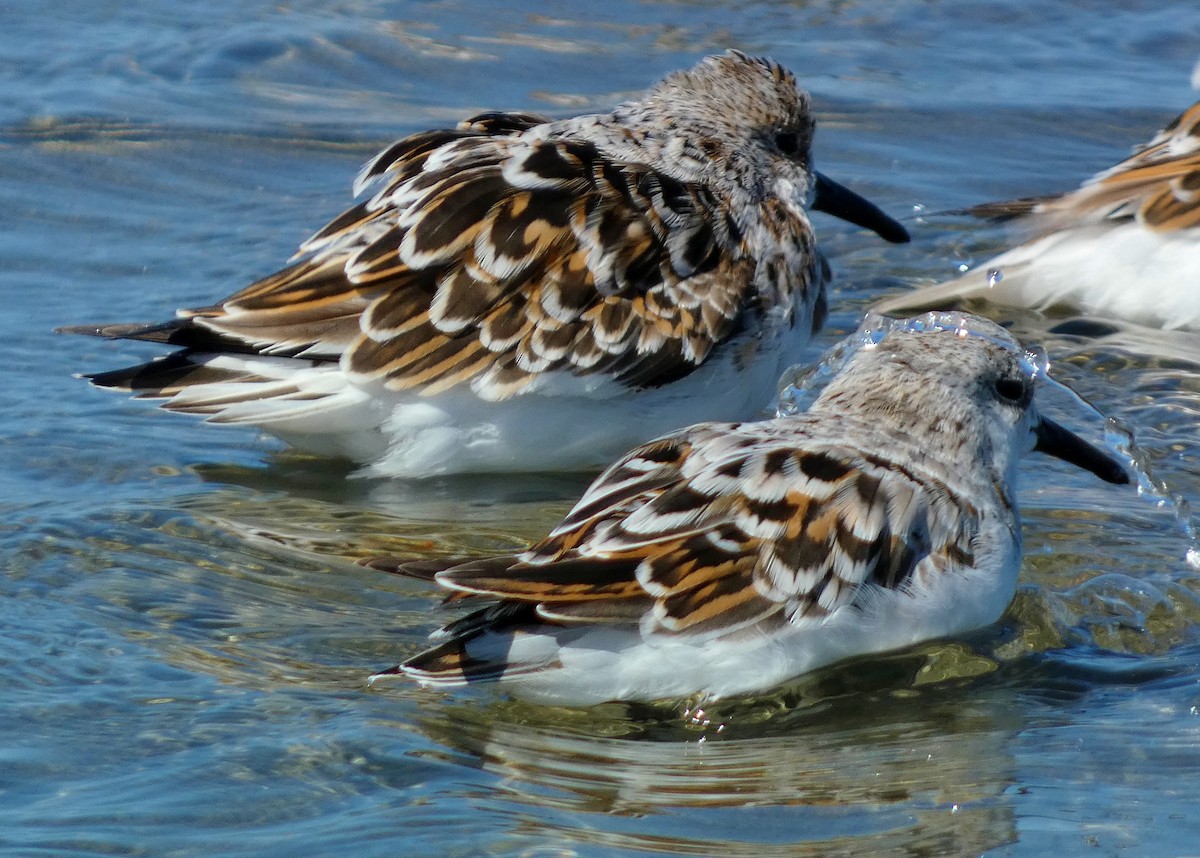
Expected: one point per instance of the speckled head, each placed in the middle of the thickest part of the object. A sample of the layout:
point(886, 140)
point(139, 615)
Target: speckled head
point(743, 123)
point(965, 387)
point(733, 96)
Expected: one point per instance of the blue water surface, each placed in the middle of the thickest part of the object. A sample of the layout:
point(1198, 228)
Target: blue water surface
point(184, 636)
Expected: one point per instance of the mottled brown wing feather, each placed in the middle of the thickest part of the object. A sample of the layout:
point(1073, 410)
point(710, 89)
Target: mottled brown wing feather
point(1176, 205)
point(487, 258)
point(1159, 184)
point(710, 546)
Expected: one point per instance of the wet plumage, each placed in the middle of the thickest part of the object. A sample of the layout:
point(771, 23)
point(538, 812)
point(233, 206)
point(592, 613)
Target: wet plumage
point(618, 274)
point(1124, 245)
point(728, 557)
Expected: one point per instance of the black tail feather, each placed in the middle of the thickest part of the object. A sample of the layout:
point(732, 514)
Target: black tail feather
point(421, 570)
point(498, 616)
point(426, 570)
point(449, 664)
point(1006, 209)
point(177, 332)
point(165, 376)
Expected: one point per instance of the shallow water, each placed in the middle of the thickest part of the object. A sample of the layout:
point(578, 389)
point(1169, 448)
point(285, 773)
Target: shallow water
point(184, 637)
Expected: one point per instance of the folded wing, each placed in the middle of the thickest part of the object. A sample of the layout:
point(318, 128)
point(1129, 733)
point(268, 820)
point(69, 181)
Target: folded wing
point(488, 257)
point(697, 534)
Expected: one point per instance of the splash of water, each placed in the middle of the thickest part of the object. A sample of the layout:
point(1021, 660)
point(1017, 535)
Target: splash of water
point(801, 385)
point(1119, 439)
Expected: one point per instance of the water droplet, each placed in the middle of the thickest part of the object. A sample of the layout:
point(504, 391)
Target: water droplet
point(1036, 362)
point(994, 275)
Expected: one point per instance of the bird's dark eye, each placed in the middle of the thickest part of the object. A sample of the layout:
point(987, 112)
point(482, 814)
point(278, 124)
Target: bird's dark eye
point(1012, 389)
point(788, 143)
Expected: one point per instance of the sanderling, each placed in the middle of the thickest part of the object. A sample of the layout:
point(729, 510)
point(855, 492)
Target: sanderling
point(728, 557)
point(1124, 245)
point(524, 294)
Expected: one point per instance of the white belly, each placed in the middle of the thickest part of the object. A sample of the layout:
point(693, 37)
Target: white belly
point(569, 424)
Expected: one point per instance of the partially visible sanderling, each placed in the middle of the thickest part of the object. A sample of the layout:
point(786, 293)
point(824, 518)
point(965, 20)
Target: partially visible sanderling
point(1124, 245)
point(525, 294)
point(728, 557)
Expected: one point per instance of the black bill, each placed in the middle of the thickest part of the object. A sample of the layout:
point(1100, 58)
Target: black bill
point(841, 202)
point(1066, 445)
